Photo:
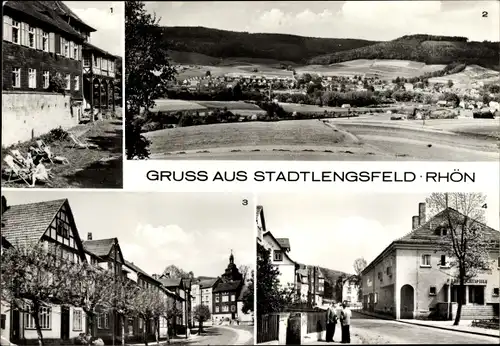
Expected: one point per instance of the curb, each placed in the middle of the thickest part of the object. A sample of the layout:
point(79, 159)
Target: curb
point(430, 326)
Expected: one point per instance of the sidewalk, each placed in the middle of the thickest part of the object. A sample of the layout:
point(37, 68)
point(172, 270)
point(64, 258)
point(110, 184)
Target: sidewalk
point(464, 327)
point(177, 340)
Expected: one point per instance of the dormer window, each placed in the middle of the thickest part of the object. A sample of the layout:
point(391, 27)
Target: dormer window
point(441, 231)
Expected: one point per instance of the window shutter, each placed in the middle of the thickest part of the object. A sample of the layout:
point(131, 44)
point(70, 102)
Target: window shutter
point(70, 48)
point(57, 44)
point(7, 28)
point(38, 38)
point(25, 35)
point(52, 43)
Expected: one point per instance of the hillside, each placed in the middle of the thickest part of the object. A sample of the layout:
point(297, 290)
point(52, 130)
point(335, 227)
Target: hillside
point(422, 48)
point(331, 275)
point(231, 44)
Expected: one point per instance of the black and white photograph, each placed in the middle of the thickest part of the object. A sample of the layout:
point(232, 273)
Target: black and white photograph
point(119, 268)
point(62, 99)
point(377, 268)
point(313, 80)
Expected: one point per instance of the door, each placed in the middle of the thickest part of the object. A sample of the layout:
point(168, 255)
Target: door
point(15, 325)
point(407, 302)
point(64, 323)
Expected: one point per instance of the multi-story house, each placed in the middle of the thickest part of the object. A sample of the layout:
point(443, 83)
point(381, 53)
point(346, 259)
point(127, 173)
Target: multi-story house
point(279, 248)
point(350, 293)
point(413, 278)
point(40, 47)
point(181, 289)
point(226, 292)
point(53, 224)
point(310, 285)
point(201, 293)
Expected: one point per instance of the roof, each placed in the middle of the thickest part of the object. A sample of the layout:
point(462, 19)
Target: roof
point(41, 11)
point(63, 9)
point(284, 242)
point(139, 270)
point(272, 236)
point(24, 223)
point(171, 282)
point(208, 283)
point(227, 286)
point(99, 247)
point(89, 46)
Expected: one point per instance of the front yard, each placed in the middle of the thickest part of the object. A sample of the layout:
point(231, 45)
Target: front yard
point(97, 167)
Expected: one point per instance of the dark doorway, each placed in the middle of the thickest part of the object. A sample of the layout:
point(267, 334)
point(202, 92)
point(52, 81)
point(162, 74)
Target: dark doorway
point(64, 323)
point(293, 336)
point(407, 302)
point(15, 335)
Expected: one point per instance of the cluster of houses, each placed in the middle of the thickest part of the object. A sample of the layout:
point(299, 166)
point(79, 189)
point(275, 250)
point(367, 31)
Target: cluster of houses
point(412, 277)
point(53, 75)
point(53, 223)
point(308, 282)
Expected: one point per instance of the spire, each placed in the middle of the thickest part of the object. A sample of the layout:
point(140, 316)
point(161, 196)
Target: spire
point(231, 258)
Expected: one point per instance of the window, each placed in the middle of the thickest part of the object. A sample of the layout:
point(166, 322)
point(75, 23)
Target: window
point(75, 52)
point(15, 31)
point(379, 276)
point(349, 290)
point(31, 37)
point(233, 308)
point(375, 298)
point(432, 290)
point(225, 308)
point(45, 41)
point(495, 291)
point(96, 62)
point(68, 82)
point(278, 255)
point(225, 299)
point(103, 321)
point(16, 77)
point(46, 79)
point(2, 321)
point(216, 309)
point(442, 262)
point(86, 61)
point(217, 298)
point(32, 78)
point(498, 262)
point(77, 320)
point(77, 83)
point(44, 317)
point(233, 297)
point(389, 271)
point(66, 48)
point(426, 261)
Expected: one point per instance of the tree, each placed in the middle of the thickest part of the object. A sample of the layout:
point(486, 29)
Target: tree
point(126, 290)
point(359, 265)
point(93, 290)
point(248, 297)
point(245, 272)
point(271, 296)
point(208, 73)
point(464, 239)
point(201, 313)
point(33, 278)
point(148, 72)
point(149, 304)
point(450, 83)
point(175, 272)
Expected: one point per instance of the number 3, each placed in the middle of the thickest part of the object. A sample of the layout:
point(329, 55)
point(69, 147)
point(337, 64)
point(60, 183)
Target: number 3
point(485, 14)
point(244, 202)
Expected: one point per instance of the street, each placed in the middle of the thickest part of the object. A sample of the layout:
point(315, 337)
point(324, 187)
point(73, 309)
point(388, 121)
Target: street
point(222, 335)
point(371, 330)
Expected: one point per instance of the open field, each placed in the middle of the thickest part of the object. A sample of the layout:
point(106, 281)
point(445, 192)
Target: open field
point(171, 105)
point(252, 134)
point(471, 74)
point(365, 138)
point(230, 105)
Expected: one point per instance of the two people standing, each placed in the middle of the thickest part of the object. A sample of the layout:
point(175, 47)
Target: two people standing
point(335, 313)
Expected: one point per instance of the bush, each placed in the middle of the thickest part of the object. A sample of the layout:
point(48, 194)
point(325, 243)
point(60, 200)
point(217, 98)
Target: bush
point(57, 83)
point(54, 135)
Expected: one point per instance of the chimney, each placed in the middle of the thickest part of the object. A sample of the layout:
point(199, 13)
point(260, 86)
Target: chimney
point(415, 221)
point(421, 213)
point(89, 236)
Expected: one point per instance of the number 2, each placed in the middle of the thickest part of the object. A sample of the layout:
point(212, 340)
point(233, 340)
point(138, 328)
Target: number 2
point(485, 14)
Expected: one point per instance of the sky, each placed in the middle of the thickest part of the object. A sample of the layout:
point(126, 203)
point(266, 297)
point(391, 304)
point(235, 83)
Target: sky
point(194, 231)
point(110, 26)
point(333, 230)
point(371, 20)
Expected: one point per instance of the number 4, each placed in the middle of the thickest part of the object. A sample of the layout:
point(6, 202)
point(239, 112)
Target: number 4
point(485, 14)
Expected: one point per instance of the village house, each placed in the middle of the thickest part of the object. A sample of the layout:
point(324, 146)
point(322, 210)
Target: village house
point(53, 224)
point(201, 293)
point(412, 277)
point(350, 293)
point(40, 46)
point(225, 293)
point(310, 285)
point(182, 289)
point(280, 248)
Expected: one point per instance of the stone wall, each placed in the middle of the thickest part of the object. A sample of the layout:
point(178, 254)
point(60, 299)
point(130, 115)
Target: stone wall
point(26, 115)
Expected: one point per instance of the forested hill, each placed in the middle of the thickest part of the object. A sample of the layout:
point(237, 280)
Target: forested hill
point(231, 44)
point(423, 48)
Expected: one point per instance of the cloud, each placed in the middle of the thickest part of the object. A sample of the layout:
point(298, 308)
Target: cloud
point(162, 235)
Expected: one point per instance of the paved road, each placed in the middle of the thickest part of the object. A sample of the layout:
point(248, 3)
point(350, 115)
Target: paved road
point(385, 331)
point(220, 336)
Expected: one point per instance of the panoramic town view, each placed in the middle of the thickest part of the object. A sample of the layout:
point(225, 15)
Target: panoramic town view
point(62, 94)
point(377, 268)
point(313, 81)
point(74, 275)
